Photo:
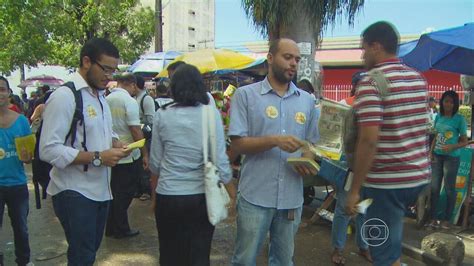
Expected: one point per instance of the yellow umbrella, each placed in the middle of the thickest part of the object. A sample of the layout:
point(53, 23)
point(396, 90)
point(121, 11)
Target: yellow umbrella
point(209, 60)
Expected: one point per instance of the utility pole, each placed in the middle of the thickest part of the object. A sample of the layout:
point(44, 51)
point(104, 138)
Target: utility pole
point(158, 27)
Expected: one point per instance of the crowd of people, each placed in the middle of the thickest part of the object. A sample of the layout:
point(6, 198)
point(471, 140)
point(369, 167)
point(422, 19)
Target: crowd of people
point(94, 175)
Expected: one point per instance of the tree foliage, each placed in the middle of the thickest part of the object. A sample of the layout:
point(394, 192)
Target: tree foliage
point(53, 31)
point(269, 16)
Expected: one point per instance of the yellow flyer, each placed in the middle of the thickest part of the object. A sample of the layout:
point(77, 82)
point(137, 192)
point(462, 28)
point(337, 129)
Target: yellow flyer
point(136, 145)
point(27, 143)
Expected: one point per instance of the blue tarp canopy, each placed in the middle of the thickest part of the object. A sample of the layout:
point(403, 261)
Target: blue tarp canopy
point(449, 50)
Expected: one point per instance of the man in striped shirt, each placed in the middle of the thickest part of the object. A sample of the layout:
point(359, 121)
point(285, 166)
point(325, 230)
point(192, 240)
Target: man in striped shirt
point(391, 156)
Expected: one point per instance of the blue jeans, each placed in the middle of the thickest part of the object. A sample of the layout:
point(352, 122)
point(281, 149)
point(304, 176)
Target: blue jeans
point(83, 221)
point(341, 221)
point(383, 229)
point(444, 166)
point(336, 176)
point(16, 199)
point(253, 224)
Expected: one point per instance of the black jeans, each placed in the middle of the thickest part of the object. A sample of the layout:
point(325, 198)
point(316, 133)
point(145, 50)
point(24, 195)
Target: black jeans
point(16, 199)
point(184, 231)
point(143, 179)
point(123, 185)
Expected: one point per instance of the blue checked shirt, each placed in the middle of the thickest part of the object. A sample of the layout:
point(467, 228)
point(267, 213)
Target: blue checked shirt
point(266, 178)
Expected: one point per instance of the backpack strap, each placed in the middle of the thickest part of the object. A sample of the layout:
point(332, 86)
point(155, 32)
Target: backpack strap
point(157, 105)
point(78, 117)
point(141, 103)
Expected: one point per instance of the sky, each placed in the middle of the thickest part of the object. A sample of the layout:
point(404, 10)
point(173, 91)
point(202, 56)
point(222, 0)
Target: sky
point(409, 16)
point(232, 27)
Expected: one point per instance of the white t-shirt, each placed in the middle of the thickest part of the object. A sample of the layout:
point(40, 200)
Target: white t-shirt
point(124, 111)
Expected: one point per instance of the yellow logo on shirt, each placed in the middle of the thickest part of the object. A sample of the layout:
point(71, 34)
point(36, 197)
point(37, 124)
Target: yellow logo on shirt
point(300, 118)
point(448, 134)
point(271, 111)
point(91, 111)
point(2, 154)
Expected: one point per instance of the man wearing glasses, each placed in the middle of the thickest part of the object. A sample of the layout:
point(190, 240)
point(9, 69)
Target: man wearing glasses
point(80, 176)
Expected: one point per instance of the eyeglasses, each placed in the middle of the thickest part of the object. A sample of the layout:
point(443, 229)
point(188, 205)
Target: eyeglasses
point(109, 71)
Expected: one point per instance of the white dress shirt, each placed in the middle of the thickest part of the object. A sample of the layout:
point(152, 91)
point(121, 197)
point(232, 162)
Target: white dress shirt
point(95, 183)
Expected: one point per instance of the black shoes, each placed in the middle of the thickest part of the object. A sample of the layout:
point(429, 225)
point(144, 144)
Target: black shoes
point(128, 234)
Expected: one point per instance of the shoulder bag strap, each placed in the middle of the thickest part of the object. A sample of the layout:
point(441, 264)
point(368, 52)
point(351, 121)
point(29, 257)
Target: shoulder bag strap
point(205, 134)
point(212, 132)
point(380, 82)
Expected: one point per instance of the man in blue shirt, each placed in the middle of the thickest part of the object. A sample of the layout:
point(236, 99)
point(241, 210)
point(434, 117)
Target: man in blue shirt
point(269, 122)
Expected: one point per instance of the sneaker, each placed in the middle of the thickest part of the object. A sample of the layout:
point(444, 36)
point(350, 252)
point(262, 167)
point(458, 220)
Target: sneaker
point(144, 197)
point(30, 264)
point(434, 224)
point(445, 225)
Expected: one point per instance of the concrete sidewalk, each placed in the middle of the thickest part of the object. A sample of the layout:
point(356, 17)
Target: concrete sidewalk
point(313, 245)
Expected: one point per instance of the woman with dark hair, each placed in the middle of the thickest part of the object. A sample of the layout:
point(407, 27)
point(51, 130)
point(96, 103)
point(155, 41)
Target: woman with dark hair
point(451, 135)
point(176, 156)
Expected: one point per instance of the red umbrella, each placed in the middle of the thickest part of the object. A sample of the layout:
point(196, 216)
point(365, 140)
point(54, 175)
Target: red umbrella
point(38, 81)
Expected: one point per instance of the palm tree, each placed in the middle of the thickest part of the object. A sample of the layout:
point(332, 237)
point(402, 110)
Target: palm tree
point(302, 21)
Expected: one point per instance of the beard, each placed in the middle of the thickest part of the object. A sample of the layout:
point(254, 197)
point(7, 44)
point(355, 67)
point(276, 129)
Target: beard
point(92, 81)
point(279, 74)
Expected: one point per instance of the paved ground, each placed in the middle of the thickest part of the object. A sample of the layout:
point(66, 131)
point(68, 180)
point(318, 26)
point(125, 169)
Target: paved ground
point(312, 243)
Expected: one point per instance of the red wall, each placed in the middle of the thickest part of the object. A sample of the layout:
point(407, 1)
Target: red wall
point(337, 82)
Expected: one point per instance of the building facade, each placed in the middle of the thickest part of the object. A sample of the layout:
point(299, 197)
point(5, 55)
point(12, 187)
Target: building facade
point(188, 25)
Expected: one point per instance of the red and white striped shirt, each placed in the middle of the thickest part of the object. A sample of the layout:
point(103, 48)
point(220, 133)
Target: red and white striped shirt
point(401, 159)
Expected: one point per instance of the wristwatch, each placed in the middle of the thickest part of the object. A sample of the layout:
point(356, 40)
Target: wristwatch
point(96, 160)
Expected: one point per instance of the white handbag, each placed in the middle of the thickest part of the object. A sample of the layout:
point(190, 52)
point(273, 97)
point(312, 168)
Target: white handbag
point(217, 197)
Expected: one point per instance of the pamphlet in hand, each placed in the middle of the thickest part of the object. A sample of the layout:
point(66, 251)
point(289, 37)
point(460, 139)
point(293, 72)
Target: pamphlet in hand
point(136, 145)
point(310, 163)
point(25, 143)
point(330, 125)
point(364, 205)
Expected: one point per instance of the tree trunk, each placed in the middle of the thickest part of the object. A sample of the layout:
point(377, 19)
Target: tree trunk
point(303, 33)
point(22, 73)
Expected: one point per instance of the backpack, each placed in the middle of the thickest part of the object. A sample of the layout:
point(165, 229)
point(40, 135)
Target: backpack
point(147, 128)
point(41, 168)
point(157, 106)
point(350, 128)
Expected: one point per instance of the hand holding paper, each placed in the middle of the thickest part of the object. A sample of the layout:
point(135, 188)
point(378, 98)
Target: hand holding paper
point(135, 145)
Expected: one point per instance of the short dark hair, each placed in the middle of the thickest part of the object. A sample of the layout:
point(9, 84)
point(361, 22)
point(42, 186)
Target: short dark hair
point(173, 66)
point(44, 88)
point(6, 81)
point(455, 98)
point(162, 85)
point(96, 47)
point(126, 77)
point(187, 86)
point(140, 81)
point(273, 46)
point(384, 33)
